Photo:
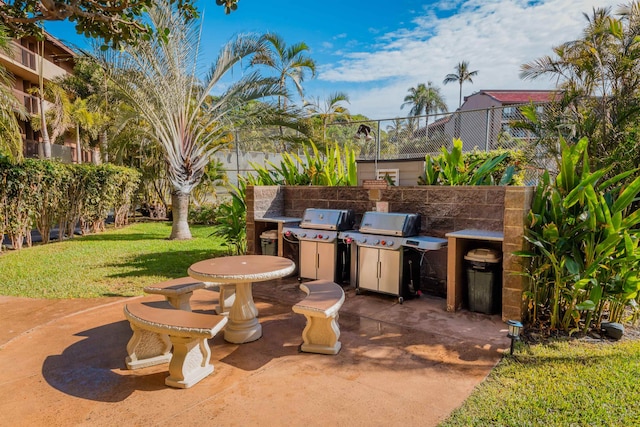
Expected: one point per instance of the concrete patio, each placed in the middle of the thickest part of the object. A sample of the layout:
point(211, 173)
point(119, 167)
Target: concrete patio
point(410, 364)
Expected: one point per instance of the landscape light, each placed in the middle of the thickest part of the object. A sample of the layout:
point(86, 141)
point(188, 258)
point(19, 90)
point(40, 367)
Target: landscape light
point(514, 332)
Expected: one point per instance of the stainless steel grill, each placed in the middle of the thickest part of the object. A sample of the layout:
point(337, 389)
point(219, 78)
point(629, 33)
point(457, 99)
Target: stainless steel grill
point(389, 251)
point(321, 254)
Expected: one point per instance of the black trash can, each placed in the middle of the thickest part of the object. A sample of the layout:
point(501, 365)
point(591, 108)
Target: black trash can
point(269, 242)
point(483, 280)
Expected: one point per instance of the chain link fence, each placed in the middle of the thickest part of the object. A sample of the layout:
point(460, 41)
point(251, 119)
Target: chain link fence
point(411, 137)
point(495, 128)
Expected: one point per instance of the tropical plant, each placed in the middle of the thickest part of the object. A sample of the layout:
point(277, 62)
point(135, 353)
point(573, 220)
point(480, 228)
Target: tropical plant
point(329, 110)
point(334, 168)
point(288, 62)
point(424, 99)
point(157, 77)
point(597, 75)
point(232, 221)
point(57, 117)
point(461, 75)
point(457, 168)
point(10, 138)
point(214, 175)
point(584, 254)
point(103, 107)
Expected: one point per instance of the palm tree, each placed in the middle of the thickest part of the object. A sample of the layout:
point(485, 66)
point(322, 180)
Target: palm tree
point(158, 77)
point(56, 119)
point(85, 120)
point(329, 109)
point(288, 62)
point(461, 75)
point(598, 77)
point(424, 98)
point(10, 138)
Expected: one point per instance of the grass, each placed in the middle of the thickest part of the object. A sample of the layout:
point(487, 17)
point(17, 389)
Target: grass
point(572, 383)
point(118, 262)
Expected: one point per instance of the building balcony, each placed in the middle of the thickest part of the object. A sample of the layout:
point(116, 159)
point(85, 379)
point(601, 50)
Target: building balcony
point(25, 64)
point(29, 101)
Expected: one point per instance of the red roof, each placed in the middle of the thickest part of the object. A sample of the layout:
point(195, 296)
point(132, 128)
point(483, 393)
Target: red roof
point(522, 96)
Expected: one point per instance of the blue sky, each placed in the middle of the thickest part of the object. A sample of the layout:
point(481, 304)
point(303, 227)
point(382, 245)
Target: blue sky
point(376, 50)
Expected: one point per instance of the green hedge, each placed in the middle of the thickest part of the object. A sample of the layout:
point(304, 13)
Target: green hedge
point(42, 193)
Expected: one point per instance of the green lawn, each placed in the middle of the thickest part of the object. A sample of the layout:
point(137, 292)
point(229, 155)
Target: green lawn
point(114, 263)
point(572, 383)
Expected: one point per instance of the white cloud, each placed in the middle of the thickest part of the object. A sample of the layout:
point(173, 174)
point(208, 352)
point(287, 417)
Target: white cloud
point(496, 37)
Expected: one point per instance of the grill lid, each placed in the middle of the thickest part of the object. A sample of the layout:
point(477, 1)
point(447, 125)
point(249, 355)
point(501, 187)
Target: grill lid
point(328, 219)
point(390, 224)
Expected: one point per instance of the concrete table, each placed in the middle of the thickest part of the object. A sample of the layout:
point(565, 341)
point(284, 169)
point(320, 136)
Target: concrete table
point(242, 270)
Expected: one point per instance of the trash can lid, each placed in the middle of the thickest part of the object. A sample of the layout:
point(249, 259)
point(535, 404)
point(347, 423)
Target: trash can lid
point(483, 255)
point(269, 234)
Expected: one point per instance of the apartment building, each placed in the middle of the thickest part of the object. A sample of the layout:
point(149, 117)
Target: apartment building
point(28, 58)
point(485, 119)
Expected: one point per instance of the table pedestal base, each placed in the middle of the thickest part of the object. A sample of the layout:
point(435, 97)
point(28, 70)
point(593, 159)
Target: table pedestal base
point(242, 332)
point(243, 325)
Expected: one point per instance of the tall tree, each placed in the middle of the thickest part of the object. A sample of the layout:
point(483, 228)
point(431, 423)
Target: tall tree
point(598, 75)
point(328, 109)
point(290, 63)
point(158, 77)
point(10, 138)
point(461, 75)
point(424, 99)
point(56, 118)
point(90, 83)
point(114, 21)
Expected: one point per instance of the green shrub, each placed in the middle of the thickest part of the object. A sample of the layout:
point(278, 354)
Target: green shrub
point(203, 214)
point(584, 257)
point(41, 193)
point(500, 167)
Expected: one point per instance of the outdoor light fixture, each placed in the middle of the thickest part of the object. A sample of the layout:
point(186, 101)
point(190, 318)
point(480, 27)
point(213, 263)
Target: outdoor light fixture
point(363, 130)
point(514, 332)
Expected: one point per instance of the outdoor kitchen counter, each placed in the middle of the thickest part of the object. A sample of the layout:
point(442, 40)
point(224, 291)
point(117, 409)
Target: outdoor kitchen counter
point(266, 223)
point(242, 270)
point(460, 242)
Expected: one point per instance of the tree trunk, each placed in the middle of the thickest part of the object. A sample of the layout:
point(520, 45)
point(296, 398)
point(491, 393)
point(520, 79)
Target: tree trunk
point(78, 146)
point(46, 142)
point(103, 147)
point(180, 209)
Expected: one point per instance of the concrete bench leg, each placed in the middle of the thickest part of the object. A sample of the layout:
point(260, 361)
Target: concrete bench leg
point(181, 302)
point(321, 335)
point(146, 348)
point(190, 362)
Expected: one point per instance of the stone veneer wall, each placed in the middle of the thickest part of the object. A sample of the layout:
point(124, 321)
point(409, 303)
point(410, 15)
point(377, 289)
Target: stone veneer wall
point(443, 209)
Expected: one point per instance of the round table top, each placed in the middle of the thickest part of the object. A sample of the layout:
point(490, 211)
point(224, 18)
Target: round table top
point(242, 268)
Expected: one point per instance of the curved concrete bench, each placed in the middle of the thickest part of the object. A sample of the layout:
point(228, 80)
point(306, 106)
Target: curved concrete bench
point(157, 326)
point(320, 307)
point(177, 291)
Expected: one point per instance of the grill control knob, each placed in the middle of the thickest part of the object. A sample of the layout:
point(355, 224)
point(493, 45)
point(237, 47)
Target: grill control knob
point(303, 234)
point(364, 240)
point(287, 233)
point(383, 242)
point(319, 236)
point(390, 243)
point(376, 241)
point(349, 240)
point(326, 237)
